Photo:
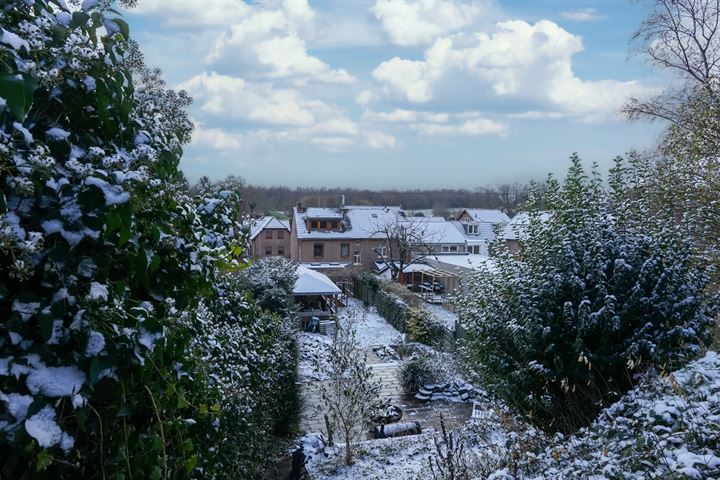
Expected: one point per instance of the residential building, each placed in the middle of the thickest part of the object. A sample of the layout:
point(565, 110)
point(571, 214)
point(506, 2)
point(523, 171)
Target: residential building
point(515, 230)
point(478, 228)
point(339, 237)
point(269, 236)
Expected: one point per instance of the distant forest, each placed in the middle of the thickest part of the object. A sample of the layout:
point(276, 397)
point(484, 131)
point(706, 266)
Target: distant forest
point(265, 200)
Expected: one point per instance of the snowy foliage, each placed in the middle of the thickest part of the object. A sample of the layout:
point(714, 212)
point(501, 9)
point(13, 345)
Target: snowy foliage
point(248, 360)
point(103, 257)
point(600, 290)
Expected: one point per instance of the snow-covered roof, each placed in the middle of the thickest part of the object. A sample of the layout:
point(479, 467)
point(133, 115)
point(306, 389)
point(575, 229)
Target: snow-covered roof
point(311, 282)
point(358, 222)
point(485, 232)
point(257, 225)
point(465, 261)
point(325, 265)
point(437, 230)
point(516, 228)
point(486, 215)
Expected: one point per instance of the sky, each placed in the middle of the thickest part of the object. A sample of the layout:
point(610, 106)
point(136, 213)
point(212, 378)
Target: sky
point(397, 93)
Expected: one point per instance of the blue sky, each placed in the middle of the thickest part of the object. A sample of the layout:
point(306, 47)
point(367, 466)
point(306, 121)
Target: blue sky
point(400, 94)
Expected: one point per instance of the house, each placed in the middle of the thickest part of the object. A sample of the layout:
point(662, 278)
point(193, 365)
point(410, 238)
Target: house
point(478, 227)
point(269, 236)
point(515, 230)
point(437, 235)
point(342, 237)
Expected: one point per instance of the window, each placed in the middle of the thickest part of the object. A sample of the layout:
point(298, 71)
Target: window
point(318, 250)
point(449, 249)
point(281, 250)
point(323, 225)
point(381, 250)
point(472, 228)
point(334, 224)
point(474, 249)
point(268, 234)
point(314, 224)
point(280, 234)
point(356, 258)
point(268, 250)
point(344, 249)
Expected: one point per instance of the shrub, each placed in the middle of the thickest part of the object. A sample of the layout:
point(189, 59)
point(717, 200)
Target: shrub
point(598, 292)
point(418, 370)
point(423, 328)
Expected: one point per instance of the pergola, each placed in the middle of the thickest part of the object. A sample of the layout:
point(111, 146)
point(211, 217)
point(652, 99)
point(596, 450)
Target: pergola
point(420, 274)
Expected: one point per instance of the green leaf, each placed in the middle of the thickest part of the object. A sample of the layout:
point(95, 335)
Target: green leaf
point(18, 93)
point(46, 325)
point(123, 26)
point(154, 263)
point(44, 460)
point(79, 19)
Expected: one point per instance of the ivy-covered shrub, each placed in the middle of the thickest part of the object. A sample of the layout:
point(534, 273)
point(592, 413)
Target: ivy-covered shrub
point(103, 259)
point(599, 291)
point(248, 358)
point(270, 280)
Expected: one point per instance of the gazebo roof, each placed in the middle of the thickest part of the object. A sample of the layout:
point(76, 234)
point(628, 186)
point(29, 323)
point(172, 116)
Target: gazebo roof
point(311, 282)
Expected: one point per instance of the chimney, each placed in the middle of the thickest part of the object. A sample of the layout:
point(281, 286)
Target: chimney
point(299, 207)
point(342, 200)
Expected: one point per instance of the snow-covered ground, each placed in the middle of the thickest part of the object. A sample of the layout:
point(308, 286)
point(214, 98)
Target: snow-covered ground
point(370, 328)
point(313, 355)
point(441, 314)
point(668, 427)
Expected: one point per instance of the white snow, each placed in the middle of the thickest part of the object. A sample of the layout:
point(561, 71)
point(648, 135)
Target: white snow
point(148, 339)
point(43, 428)
point(98, 291)
point(370, 328)
point(113, 193)
point(55, 381)
point(17, 404)
point(25, 132)
point(57, 134)
point(26, 310)
point(95, 345)
point(441, 314)
point(13, 40)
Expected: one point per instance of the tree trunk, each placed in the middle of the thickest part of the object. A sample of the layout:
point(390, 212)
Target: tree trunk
point(348, 452)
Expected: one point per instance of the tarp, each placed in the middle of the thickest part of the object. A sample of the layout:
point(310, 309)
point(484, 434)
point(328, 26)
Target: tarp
point(311, 282)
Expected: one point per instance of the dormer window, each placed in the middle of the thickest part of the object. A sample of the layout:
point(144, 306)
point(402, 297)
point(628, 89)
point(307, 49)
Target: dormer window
point(323, 224)
point(472, 228)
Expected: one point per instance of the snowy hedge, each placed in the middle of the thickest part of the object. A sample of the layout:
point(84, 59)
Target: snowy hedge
point(598, 292)
point(103, 259)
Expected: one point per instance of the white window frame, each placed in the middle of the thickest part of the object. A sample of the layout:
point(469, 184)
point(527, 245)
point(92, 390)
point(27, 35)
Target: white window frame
point(473, 229)
point(357, 257)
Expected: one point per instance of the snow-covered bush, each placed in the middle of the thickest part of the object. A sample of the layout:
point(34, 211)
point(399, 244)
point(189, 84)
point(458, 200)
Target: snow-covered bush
point(103, 257)
point(418, 370)
point(423, 328)
point(270, 280)
point(598, 292)
point(248, 360)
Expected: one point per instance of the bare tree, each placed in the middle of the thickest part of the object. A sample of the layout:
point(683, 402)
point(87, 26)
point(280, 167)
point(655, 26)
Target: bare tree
point(682, 35)
point(404, 242)
point(351, 393)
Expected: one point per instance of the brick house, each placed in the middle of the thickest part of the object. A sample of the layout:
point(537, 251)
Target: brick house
point(269, 236)
point(339, 237)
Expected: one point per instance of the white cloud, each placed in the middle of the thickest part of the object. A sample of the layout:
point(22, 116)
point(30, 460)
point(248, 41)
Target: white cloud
point(364, 98)
point(271, 43)
point(518, 61)
point(536, 115)
point(216, 138)
point(402, 115)
point(380, 140)
point(230, 97)
point(413, 23)
point(476, 127)
point(583, 15)
point(332, 144)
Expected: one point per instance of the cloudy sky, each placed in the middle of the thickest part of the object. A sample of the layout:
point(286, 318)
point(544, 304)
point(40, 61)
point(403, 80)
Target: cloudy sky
point(396, 93)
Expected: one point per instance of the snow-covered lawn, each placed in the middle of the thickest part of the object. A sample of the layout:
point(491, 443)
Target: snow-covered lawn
point(370, 328)
point(441, 314)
